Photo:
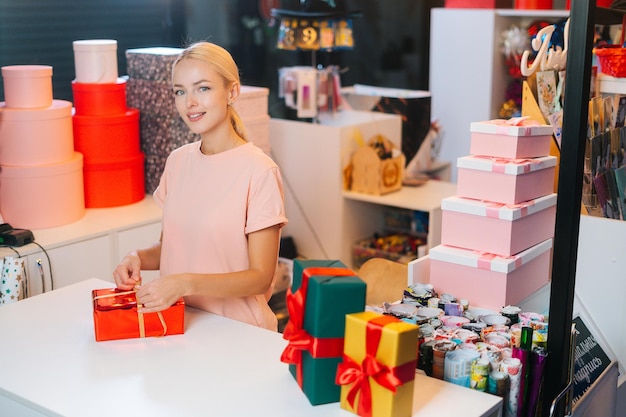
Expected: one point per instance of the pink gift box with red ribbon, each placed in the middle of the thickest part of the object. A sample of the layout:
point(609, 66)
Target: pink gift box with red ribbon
point(514, 138)
point(508, 181)
point(503, 229)
point(488, 280)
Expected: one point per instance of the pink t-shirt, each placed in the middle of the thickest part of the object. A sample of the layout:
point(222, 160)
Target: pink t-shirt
point(210, 204)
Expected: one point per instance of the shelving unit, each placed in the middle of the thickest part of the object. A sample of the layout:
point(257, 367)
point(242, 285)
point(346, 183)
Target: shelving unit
point(324, 220)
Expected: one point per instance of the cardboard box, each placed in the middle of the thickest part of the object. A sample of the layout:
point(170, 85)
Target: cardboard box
point(253, 102)
point(392, 344)
point(322, 293)
point(503, 229)
point(373, 175)
point(502, 138)
point(488, 280)
point(115, 317)
point(508, 181)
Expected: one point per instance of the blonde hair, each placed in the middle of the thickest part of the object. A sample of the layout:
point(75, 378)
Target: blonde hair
point(225, 66)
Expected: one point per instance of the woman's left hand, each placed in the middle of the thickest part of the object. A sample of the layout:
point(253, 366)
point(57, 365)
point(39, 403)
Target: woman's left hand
point(159, 294)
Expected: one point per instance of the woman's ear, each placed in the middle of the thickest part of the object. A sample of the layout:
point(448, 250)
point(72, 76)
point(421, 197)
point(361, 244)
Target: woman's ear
point(234, 93)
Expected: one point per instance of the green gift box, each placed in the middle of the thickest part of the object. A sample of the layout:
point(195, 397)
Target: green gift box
point(321, 294)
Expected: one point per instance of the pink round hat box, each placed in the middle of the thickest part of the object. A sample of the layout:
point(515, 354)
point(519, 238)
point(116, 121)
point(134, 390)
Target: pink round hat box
point(27, 86)
point(36, 136)
point(43, 196)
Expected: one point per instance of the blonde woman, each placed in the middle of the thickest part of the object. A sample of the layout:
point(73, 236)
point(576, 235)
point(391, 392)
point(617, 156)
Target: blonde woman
point(222, 201)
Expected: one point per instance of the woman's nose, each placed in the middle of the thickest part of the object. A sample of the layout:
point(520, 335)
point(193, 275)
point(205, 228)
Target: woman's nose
point(190, 100)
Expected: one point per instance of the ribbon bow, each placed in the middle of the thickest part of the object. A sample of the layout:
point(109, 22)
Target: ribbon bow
point(351, 372)
point(140, 318)
point(299, 339)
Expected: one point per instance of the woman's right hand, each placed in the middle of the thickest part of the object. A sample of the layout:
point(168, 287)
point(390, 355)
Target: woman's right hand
point(127, 274)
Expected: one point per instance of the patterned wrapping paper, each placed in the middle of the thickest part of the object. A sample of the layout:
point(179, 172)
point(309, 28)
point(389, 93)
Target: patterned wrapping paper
point(151, 63)
point(162, 134)
point(115, 317)
point(377, 374)
point(12, 280)
point(322, 293)
point(152, 97)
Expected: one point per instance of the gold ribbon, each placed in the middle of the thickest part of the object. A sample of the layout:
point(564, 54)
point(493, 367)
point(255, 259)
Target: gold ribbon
point(140, 319)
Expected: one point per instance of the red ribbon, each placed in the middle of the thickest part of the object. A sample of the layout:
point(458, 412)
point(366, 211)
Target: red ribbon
point(299, 339)
point(351, 372)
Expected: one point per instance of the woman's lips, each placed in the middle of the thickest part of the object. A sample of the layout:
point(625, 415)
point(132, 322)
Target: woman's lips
point(194, 116)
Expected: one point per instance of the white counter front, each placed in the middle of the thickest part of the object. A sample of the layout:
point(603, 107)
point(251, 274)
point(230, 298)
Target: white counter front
point(52, 366)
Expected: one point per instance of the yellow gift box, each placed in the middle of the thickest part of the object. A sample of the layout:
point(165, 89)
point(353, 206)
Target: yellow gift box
point(377, 373)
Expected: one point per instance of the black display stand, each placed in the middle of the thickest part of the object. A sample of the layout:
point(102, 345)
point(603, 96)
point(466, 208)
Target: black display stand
point(583, 18)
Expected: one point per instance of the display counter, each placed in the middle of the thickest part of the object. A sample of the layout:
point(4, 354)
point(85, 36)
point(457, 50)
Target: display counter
point(52, 366)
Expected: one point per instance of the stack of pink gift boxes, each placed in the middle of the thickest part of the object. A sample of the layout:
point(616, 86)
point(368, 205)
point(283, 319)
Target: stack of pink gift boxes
point(496, 236)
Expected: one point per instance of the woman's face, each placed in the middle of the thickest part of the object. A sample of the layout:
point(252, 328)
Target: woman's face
point(200, 95)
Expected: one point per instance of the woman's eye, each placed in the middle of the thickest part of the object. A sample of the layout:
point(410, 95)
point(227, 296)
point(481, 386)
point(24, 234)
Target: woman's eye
point(178, 92)
point(204, 88)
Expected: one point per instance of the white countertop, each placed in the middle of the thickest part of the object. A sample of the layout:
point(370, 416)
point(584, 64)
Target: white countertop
point(52, 366)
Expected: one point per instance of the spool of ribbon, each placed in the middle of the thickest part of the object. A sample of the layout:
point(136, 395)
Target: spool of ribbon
point(140, 317)
point(299, 339)
point(350, 371)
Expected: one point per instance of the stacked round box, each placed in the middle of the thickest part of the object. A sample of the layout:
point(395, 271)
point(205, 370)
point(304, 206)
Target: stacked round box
point(106, 131)
point(496, 233)
point(149, 89)
point(41, 174)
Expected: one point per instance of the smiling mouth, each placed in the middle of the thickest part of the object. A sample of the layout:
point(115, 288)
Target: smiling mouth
point(194, 116)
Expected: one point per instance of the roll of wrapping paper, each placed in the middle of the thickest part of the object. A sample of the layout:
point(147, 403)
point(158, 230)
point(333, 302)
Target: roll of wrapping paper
point(12, 281)
point(498, 383)
point(512, 367)
point(523, 354)
point(439, 356)
point(538, 358)
point(479, 377)
point(458, 366)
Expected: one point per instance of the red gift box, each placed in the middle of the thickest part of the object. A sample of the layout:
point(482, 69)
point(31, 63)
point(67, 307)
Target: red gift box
point(115, 316)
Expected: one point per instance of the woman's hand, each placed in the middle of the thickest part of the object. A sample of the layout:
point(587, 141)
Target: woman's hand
point(159, 294)
point(127, 274)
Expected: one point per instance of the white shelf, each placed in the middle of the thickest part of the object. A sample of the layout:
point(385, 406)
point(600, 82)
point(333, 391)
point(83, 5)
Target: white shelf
point(611, 85)
point(426, 197)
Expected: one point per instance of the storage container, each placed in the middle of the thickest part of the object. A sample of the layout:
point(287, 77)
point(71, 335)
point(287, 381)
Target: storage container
point(252, 102)
point(31, 137)
point(107, 138)
point(502, 138)
point(104, 99)
point(95, 60)
point(27, 86)
point(153, 63)
point(488, 280)
point(116, 183)
point(43, 196)
point(508, 181)
point(258, 130)
point(151, 97)
point(503, 229)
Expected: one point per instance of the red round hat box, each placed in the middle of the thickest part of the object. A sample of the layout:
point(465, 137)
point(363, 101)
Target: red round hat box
point(31, 137)
point(103, 139)
point(117, 183)
point(104, 99)
point(43, 196)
